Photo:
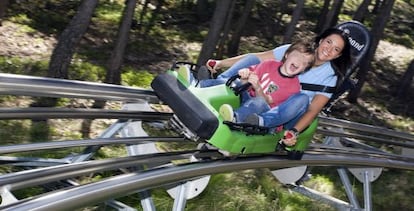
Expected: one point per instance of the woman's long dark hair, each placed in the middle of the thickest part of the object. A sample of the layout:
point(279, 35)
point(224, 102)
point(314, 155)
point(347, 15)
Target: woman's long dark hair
point(344, 61)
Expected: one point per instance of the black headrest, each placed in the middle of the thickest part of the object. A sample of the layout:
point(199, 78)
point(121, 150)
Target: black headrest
point(359, 38)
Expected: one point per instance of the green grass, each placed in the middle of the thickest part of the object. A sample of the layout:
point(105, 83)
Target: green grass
point(134, 78)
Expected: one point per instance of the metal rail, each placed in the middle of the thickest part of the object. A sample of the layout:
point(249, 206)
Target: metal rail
point(32, 177)
point(79, 113)
point(60, 172)
point(15, 148)
point(118, 186)
point(345, 124)
point(78, 196)
point(378, 139)
point(354, 130)
point(11, 84)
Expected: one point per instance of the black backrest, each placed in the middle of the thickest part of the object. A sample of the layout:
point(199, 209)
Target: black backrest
point(360, 40)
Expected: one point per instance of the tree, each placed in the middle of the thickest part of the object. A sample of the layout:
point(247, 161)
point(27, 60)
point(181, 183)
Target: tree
point(70, 37)
point(202, 10)
point(60, 61)
point(154, 17)
point(295, 18)
point(233, 45)
point(377, 6)
point(142, 15)
point(3, 8)
point(267, 12)
point(406, 80)
point(362, 11)
point(216, 26)
point(376, 32)
point(332, 15)
point(283, 7)
point(226, 31)
point(323, 15)
point(113, 71)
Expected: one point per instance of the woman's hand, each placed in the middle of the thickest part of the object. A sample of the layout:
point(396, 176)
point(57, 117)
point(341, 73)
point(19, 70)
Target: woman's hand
point(213, 65)
point(290, 137)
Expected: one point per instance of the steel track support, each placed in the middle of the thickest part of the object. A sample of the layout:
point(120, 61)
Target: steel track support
point(6, 196)
point(134, 129)
point(332, 201)
point(364, 175)
point(181, 199)
point(90, 151)
point(367, 192)
point(348, 188)
point(187, 190)
point(119, 205)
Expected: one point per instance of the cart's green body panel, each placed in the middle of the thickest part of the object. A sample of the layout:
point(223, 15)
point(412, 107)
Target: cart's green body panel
point(223, 137)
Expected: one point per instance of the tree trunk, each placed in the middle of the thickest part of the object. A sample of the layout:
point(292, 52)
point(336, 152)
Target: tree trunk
point(142, 15)
point(283, 8)
point(154, 17)
point(376, 32)
point(266, 13)
point(226, 31)
point(295, 19)
point(377, 6)
point(233, 45)
point(323, 15)
point(337, 10)
point(202, 10)
point(362, 11)
point(113, 72)
point(216, 26)
point(3, 8)
point(70, 37)
point(60, 61)
point(332, 16)
point(405, 82)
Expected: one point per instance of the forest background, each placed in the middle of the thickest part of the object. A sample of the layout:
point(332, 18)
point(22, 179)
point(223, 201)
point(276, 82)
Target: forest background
point(127, 42)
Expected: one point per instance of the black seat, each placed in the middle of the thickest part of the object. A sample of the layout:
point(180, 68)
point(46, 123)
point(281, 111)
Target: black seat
point(193, 113)
point(360, 40)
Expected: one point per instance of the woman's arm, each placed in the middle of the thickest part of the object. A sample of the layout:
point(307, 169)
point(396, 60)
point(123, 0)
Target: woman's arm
point(316, 106)
point(225, 63)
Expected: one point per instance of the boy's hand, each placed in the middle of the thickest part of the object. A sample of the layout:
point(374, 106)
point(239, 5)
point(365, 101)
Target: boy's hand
point(254, 81)
point(244, 73)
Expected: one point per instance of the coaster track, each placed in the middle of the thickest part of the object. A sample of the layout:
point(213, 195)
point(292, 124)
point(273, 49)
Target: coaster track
point(162, 169)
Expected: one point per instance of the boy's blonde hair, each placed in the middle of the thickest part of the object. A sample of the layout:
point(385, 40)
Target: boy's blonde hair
point(306, 46)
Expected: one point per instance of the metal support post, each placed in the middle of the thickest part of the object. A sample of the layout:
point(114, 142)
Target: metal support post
point(134, 129)
point(367, 192)
point(181, 198)
point(348, 187)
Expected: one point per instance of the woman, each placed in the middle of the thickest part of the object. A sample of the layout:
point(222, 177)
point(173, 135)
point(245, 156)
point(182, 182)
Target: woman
point(332, 58)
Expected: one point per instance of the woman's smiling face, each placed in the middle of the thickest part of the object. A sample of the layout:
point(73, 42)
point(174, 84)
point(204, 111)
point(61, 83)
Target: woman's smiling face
point(329, 48)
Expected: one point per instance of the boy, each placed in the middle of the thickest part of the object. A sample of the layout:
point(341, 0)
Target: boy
point(272, 82)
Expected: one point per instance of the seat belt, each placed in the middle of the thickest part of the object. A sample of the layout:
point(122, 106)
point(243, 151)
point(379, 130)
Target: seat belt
point(318, 88)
